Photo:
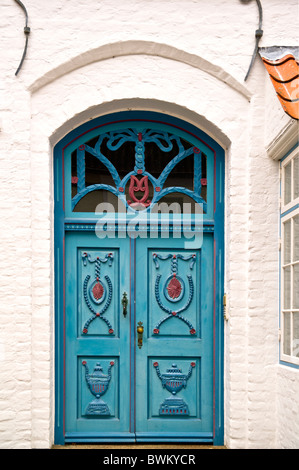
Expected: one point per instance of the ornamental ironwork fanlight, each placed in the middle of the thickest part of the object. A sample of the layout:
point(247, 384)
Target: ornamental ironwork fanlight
point(139, 167)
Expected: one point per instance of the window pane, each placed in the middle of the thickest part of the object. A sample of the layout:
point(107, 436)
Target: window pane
point(295, 348)
point(286, 334)
point(287, 183)
point(296, 285)
point(296, 238)
point(296, 177)
point(178, 203)
point(89, 202)
point(287, 242)
point(287, 287)
point(181, 175)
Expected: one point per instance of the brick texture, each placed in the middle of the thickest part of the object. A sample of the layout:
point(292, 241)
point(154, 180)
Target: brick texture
point(188, 59)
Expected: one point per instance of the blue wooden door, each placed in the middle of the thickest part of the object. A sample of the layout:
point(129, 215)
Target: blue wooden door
point(97, 356)
point(157, 385)
point(174, 364)
point(139, 323)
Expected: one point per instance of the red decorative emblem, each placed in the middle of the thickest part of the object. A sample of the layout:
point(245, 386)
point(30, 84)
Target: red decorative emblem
point(98, 291)
point(174, 288)
point(139, 185)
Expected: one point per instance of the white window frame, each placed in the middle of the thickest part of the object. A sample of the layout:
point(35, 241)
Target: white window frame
point(288, 212)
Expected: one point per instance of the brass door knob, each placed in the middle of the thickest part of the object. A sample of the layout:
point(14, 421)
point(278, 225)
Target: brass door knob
point(140, 330)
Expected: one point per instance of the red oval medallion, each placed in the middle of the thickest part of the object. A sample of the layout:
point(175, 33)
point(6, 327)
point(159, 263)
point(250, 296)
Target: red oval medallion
point(98, 291)
point(174, 288)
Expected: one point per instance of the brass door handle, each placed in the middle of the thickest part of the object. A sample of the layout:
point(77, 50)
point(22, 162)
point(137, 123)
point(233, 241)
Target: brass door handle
point(124, 302)
point(140, 330)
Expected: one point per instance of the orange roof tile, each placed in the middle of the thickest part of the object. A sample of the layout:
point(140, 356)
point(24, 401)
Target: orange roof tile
point(283, 67)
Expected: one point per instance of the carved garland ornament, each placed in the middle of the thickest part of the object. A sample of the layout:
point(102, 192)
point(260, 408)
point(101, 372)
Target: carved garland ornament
point(97, 292)
point(174, 289)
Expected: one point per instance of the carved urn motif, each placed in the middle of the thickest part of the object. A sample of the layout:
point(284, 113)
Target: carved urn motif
point(174, 380)
point(98, 384)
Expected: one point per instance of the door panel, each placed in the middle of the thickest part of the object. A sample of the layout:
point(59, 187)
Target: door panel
point(173, 284)
point(97, 355)
point(174, 366)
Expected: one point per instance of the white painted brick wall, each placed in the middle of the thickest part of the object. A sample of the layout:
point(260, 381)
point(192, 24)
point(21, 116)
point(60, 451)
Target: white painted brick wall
point(189, 59)
point(287, 435)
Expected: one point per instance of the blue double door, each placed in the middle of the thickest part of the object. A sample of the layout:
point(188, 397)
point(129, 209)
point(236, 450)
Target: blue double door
point(139, 338)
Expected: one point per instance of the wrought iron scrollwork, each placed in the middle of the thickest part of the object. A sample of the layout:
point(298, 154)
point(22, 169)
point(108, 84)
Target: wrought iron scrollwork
point(139, 179)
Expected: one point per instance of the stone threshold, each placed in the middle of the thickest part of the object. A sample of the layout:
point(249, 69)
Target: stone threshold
point(137, 446)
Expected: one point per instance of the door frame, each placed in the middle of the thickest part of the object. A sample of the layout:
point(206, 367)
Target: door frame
point(61, 224)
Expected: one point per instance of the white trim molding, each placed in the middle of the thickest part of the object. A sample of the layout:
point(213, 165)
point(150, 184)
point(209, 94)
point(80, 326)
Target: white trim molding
point(284, 141)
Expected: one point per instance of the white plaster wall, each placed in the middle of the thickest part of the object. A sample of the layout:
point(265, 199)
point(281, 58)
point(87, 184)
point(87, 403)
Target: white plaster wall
point(287, 403)
point(188, 59)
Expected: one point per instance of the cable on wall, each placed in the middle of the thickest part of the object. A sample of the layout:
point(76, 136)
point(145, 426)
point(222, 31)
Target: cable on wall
point(26, 32)
point(258, 34)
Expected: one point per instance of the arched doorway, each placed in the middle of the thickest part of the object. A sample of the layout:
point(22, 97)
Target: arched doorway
point(139, 266)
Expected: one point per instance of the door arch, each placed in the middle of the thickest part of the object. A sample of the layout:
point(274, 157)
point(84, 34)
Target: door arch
point(166, 383)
